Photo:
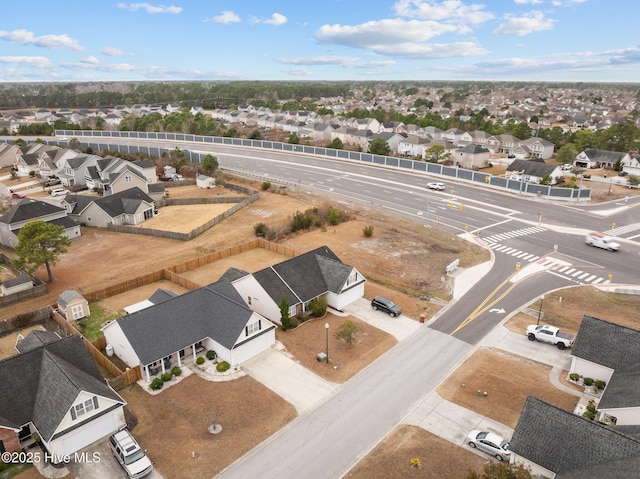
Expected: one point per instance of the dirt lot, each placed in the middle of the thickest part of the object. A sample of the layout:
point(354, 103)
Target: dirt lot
point(183, 219)
point(173, 425)
point(308, 339)
point(508, 380)
point(439, 459)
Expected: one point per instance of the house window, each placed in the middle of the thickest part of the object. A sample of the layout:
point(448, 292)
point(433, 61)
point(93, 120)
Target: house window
point(128, 179)
point(82, 408)
point(89, 219)
point(253, 328)
point(353, 277)
point(293, 310)
point(249, 300)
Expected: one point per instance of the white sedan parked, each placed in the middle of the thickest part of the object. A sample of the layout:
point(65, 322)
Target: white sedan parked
point(490, 443)
point(435, 186)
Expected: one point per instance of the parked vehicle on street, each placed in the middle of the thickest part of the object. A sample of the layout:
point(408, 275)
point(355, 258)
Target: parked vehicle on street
point(386, 305)
point(600, 240)
point(17, 195)
point(490, 443)
point(58, 192)
point(435, 186)
point(130, 455)
point(52, 182)
point(567, 166)
point(549, 334)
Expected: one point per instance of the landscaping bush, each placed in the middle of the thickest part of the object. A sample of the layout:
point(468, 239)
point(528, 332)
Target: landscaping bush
point(211, 355)
point(588, 381)
point(200, 360)
point(156, 384)
point(176, 371)
point(333, 216)
point(318, 306)
point(261, 230)
point(166, 376)
point(574, 376)
point(265, 185)
point(600, 384)
point(367, 231)
point(222, 366)
point(589, 415)
point(303, 316)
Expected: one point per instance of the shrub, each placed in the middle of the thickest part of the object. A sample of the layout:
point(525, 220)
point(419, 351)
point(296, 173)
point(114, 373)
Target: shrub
point(200, 360)
point(176, 371)
point(222, 366)
point(261, 230)
point(156, 384)
point(211, 355)
point(166, 376)
point(301, 221)
point(303, 316)
point(588, 381)
point(589, 415)
point(592, 408)
point(265, 185)
point(367, 231)
point(574, 376)
point(318, 306)
point(600, 384)
point(333, 216)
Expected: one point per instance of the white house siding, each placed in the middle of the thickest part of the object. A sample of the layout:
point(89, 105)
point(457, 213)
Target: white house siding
point(95, 216)
point(345, 298)
point(91, 432)
point(628, 416)
point(72, 233)
point(257, 299)
point(121, 346)
point(120, 184)
point(589, 369)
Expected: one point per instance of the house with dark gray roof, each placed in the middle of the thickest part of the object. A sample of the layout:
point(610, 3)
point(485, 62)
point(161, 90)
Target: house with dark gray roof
point(29, 210)
point(175, 330)
point(35, 339)
point(472, 156)
point(159, 296)
point(532, 171)
point(301, 279)
point(594, 158)
point(55, 391)
point(609, 352)
point(128, 207)
point(555, 443)
point(74, 170)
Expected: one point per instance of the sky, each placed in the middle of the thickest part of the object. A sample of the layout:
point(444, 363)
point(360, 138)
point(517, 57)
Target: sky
point(311, 40)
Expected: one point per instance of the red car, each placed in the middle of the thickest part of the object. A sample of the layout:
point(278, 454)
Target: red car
point(17, 195)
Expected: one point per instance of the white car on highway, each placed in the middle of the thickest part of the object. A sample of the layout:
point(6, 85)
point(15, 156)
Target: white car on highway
point(435, 186)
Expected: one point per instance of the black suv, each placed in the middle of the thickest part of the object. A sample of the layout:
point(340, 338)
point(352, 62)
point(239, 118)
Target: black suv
point(386, 305)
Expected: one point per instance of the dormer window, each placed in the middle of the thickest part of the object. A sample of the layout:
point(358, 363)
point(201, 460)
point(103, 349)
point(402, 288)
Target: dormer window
point(83, 408)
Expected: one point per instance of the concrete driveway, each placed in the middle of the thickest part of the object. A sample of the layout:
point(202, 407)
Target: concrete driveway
point(100, 464)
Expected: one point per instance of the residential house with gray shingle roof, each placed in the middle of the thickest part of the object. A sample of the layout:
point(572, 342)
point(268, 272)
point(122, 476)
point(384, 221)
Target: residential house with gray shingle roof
point(609, 352)
point(558, 444)
point(55, 391)
point(173, 331)
point(533, 171)
point(594, 158)
point(303, 278)
point(129, 207)
point(472, 156)
point(29, 210)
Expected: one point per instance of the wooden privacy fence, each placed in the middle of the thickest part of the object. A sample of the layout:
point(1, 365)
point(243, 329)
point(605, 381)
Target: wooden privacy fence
point(25, 319)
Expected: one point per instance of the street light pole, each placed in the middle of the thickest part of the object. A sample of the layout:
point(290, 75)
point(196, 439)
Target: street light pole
point(540, 310)
point(326, 328)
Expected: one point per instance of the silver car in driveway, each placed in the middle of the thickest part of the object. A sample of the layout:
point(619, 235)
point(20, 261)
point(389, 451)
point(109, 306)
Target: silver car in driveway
point(490, 443)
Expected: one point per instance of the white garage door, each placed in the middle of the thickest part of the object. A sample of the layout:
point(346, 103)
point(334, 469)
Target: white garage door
point(253, 347)
point(90, 433)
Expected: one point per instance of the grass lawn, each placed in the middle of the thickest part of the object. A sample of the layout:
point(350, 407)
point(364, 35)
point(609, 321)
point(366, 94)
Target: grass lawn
point(90, 326)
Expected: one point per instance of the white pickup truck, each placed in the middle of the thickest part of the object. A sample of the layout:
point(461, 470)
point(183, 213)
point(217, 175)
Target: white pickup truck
point(549, 334)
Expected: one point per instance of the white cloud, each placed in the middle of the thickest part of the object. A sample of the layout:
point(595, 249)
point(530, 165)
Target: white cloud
point(276, 19)
point(383, 32)
point(113, 52)
point(36, 62)
point(525, 2)
point(25, 37)
point(445, 11)
point(531, 22)
point(226, 16)
point(90, 60)
point(134, 7)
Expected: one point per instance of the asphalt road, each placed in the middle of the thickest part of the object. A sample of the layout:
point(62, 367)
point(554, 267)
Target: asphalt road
point(327, 441)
